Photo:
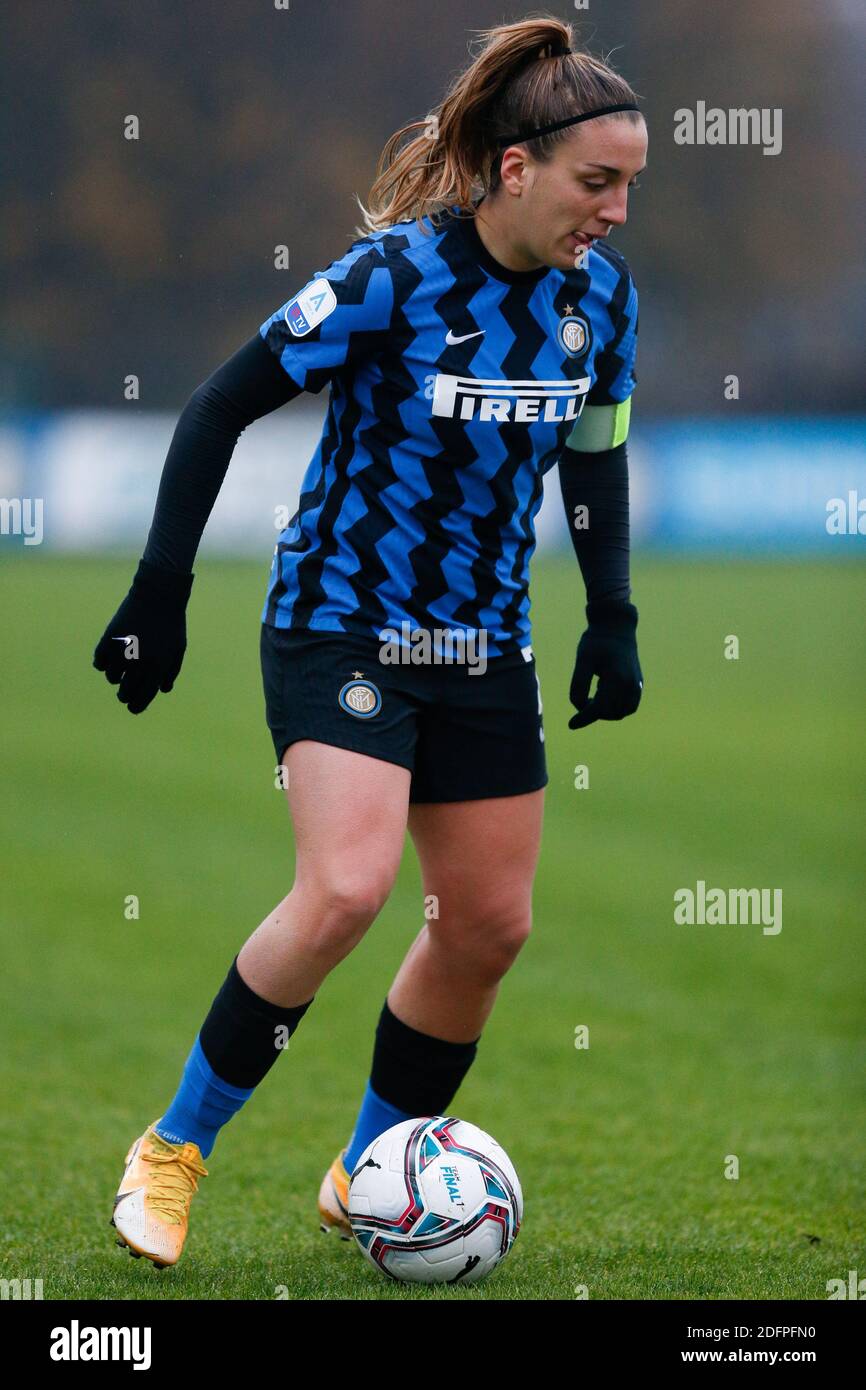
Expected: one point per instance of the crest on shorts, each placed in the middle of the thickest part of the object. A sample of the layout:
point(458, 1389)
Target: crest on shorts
point(573, 335)
point(361, 698)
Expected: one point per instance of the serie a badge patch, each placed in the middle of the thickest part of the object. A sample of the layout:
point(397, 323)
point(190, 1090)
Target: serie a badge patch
point(314, 303)
point(361, 698)
point(573, 335)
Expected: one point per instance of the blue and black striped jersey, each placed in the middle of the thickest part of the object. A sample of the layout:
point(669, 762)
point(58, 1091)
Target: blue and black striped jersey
point(454, 386)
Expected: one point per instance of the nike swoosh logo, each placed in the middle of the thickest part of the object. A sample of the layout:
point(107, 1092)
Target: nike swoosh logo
point(451, 340)
point(344, 1210)
point(130, 1193)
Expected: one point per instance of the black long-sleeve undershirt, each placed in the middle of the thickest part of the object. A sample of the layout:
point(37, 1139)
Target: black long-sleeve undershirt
point(250, 384)
point(599, 482)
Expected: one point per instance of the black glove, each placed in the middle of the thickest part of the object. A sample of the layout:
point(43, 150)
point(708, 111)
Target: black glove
point(608, 649)
point(154, 614)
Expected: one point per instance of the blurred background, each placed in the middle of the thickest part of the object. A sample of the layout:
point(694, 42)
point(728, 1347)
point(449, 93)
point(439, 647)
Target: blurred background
point(154, 257)
point(140, 853)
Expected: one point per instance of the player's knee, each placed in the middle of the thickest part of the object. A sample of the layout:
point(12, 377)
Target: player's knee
point(346, 901)
point(505, 946)
point(488, 942)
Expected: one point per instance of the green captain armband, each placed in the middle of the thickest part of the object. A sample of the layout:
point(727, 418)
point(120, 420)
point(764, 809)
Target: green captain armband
point(600, 427)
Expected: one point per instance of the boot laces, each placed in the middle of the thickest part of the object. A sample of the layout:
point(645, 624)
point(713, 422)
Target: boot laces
point(174, 1181)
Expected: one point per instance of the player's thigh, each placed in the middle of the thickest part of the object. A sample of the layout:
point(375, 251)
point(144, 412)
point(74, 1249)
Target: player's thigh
point(349, 814)
point(479, 857)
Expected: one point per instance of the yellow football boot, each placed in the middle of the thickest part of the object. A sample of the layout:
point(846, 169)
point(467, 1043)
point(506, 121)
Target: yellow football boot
point(151, 1209)
point(334, 1199)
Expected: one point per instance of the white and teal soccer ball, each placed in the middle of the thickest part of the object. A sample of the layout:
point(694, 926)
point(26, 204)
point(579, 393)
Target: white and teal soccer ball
point(435, 1200)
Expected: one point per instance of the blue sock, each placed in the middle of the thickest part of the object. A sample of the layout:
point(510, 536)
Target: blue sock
point(375, 1116)
point(203, 1104)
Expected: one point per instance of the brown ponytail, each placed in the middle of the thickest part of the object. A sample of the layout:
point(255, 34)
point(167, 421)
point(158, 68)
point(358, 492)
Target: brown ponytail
point(523, 77)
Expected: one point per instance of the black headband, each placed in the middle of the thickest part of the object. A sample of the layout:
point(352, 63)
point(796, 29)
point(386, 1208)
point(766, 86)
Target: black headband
point(570, 120)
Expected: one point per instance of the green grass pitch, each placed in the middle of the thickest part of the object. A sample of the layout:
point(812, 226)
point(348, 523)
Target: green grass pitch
point(705, 1041)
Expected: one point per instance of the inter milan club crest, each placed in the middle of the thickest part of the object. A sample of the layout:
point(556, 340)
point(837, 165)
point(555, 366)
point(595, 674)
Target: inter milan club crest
point(573, 335)
point(360, 697)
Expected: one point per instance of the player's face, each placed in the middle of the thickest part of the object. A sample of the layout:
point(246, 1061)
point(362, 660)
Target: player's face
point(582, 192)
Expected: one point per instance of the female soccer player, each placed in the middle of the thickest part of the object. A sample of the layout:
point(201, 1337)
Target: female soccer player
point(480, 330)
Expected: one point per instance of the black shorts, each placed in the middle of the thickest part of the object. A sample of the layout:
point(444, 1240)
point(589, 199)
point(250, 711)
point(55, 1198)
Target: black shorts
point(463, 736)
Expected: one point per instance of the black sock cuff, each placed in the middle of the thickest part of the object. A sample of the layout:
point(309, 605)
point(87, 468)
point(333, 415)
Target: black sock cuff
point(239, 993)
point(239, 1037)
point(415, 1071)
point(415, 1044)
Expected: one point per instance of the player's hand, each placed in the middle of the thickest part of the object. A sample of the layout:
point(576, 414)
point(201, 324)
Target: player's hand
point(141, 650)
point(608, 649)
